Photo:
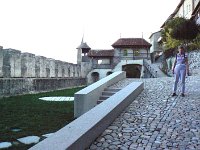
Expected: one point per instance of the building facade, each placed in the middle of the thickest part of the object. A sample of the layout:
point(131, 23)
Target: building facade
point(156, 49)
point(127, 55)
point(196, 12)
point(188, 9)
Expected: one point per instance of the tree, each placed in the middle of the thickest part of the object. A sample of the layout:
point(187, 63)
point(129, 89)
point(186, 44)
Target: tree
point(185, 31)
point(178, 31)
point(169, 42)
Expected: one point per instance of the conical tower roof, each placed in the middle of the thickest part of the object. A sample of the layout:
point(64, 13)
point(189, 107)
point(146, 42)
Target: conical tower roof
point(83, 46)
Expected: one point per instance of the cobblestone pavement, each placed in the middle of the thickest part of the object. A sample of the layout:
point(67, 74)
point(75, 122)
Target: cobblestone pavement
point(155, 120)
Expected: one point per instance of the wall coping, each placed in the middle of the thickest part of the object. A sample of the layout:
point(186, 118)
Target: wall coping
point(99, 83)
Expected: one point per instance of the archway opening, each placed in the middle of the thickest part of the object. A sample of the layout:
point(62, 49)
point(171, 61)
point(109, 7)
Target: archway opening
point(132, 70)
point(95, 76)
point(108, 73)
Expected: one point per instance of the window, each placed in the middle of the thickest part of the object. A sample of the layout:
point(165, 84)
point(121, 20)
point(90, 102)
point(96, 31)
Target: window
point(99, 61)
point(125, 52)
point(103, 61)
point(136, 52)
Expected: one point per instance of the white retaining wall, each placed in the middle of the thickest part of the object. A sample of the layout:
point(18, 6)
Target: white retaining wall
point(87, 98)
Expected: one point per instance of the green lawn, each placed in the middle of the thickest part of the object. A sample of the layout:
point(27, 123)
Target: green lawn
point(34, 116)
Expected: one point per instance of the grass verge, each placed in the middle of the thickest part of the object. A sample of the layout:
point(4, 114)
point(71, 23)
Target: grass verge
point(34, 116)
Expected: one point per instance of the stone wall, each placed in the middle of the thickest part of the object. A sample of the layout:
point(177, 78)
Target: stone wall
point(22, 73)
point(19, 86)
point(14, 64)
point(193, 60)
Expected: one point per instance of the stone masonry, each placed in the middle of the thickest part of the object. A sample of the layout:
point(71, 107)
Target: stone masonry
point(155, 120)
point(193, 59)
point(22, 73)
point(194, 62)
point(14, 64)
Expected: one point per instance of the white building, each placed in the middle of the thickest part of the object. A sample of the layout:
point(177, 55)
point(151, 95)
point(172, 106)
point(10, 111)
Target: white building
point(184, 9)
point(196, 12)
point(156, 48)
point(127, 55)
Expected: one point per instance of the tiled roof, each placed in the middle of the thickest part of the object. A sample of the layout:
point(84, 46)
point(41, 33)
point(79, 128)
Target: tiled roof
point(83, 46)
point(131, 43)
point(101, 53)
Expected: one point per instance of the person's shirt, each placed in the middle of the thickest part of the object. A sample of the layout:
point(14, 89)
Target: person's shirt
point(181, 59)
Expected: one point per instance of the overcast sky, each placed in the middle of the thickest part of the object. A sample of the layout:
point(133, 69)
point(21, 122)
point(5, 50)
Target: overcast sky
point(54, 28)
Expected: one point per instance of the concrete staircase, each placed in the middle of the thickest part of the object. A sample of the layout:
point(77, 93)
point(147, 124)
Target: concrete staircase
point(108, 92)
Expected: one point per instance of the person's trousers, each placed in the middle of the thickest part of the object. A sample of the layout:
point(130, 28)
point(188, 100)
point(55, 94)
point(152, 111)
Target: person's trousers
point(180, 73)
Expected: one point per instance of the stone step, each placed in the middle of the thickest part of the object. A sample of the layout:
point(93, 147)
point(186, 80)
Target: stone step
point(112, 89)
point(108, 93)
point(103, 97)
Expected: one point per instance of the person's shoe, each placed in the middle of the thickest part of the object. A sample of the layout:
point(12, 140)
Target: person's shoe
point(174, 94)
point(182, 94)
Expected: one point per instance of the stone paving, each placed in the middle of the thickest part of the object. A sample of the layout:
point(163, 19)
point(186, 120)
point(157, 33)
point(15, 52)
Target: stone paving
point(57, 98)
point(155, 120)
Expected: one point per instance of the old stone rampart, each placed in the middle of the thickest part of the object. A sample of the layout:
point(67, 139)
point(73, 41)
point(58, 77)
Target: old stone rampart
point(22, 73)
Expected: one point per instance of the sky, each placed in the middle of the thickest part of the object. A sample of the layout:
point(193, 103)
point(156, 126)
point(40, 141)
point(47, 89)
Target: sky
point(54, 28)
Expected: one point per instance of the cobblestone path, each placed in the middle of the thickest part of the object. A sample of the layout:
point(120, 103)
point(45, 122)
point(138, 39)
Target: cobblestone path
point(155, 120)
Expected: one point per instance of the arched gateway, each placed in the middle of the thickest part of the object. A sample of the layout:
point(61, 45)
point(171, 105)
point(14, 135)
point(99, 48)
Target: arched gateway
point(132, 70)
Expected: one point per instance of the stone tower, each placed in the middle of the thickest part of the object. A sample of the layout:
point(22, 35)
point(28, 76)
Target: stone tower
point(83, 50)
point(83, 60)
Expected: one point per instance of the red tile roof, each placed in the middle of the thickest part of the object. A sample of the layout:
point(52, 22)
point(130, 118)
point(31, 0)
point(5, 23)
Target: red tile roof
point(131, 43)
point(101, 53)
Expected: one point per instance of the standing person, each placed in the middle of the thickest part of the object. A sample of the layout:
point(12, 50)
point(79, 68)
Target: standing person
point(179, 69)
